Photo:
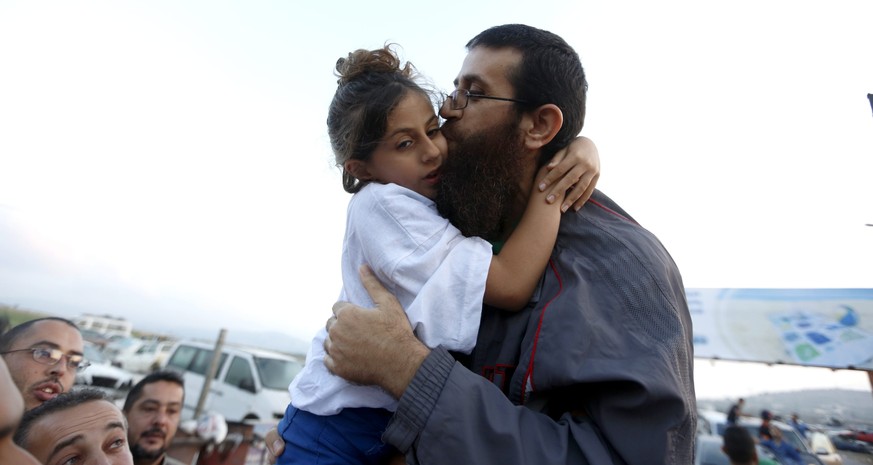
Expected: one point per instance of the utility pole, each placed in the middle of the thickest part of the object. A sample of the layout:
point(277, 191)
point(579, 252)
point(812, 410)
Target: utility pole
point(213, 367)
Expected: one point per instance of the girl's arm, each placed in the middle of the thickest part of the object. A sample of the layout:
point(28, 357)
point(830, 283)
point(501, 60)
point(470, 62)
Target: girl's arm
point(577, 168)
point(516, 270)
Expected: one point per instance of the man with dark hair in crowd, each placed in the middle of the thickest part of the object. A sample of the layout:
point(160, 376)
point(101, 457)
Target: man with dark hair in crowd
point(783, 450)
point(764, 429)
point(739, 446)
point(153, 408)
point(735, 412)
point(43, 356)
point(82, 426)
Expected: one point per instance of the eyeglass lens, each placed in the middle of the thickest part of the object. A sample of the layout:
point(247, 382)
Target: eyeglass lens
point(459, 99)
point(53, 356)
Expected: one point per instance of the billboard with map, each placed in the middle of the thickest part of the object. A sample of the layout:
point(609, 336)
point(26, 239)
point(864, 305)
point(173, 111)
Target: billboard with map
point(813, 327)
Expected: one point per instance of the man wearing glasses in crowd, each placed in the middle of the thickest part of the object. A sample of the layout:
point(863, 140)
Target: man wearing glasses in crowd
point(43, 356)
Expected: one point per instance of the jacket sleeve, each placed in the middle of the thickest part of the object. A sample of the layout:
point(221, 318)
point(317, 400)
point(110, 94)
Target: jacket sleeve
point(450, 415)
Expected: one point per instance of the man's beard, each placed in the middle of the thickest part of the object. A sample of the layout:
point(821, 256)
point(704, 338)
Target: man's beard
point(480, 180)
point(140, 453)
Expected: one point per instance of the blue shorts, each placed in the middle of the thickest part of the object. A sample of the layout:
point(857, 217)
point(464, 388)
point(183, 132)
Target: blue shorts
point(351, 437)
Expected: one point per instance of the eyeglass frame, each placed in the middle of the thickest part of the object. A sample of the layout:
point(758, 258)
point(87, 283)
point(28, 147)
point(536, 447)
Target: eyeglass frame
point(81, 363)
point(469, 95)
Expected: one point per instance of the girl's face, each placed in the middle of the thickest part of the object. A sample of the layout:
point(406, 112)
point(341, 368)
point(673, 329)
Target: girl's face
point(412, 150)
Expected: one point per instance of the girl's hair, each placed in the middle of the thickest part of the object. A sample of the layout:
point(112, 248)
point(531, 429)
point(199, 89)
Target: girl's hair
point(371, 83)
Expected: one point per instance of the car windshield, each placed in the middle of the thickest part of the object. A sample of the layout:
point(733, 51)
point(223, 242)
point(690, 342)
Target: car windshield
point(791, 437)
point(788, 435)
point(93, 355)
point(276, 373)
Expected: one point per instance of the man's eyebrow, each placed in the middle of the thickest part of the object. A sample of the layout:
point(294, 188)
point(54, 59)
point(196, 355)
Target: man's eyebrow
point(471, 79)
point(45, 343)
point(114, 425)
point(110, 426)
point(52, 345)
point(61, 445)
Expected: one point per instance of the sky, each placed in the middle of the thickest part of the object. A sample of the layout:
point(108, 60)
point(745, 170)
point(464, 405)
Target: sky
point(167, 161)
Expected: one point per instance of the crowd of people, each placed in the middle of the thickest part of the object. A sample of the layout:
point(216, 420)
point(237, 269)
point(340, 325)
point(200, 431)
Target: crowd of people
point(44, 421)
point(739, 444)
point(496, 307)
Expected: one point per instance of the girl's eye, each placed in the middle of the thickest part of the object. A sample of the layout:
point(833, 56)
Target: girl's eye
point(433, 132)
point(404, 144)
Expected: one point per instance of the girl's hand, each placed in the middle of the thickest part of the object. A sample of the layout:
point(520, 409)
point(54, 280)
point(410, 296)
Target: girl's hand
point(576, 169)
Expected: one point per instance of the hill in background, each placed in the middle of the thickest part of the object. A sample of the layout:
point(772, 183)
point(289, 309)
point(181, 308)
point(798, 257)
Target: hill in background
point(835, 407)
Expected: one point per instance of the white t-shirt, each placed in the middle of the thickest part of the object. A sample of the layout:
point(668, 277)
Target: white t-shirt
point(437, 274)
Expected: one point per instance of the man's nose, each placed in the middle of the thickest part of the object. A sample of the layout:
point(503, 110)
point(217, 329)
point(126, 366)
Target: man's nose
point(61, 367)
point(447, 112)
point(161, 418)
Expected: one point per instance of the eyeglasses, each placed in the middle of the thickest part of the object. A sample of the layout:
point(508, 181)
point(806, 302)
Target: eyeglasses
point(460, 98)
point(53, 356)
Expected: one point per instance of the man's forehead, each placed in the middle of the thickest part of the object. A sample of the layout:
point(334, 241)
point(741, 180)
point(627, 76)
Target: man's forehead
point(55, 334)
point(96, 415)
point(488, 67)
point(161, 392)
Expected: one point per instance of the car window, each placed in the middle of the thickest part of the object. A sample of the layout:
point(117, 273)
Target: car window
point(201, 362)
point(791, 437)
point(239, 374)
point(181, 359)
point(276, 373)
point(93, 354)
point(703, 426)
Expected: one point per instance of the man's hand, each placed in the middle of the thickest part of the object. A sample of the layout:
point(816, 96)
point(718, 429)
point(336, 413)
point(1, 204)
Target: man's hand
point(275, 445)
point(373, 345)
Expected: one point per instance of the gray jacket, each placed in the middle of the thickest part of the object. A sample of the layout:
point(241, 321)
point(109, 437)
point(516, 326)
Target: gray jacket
point(597, 369)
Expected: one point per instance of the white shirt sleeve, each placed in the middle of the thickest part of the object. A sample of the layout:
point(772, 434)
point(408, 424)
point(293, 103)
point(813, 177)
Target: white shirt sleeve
point(437, 274)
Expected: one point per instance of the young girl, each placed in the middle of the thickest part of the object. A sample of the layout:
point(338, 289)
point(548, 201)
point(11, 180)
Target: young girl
point(386, 137)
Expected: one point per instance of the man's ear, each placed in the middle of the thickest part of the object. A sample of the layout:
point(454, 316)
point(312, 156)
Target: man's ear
point(541, 125)
point(358, 169)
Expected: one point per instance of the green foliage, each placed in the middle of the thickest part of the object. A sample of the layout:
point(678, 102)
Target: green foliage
point(11, 316)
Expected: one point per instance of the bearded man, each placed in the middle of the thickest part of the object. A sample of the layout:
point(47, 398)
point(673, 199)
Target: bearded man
point(153, 408)
point(598, 369)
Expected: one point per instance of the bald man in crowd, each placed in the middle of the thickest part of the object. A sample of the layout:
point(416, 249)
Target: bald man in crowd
point(43, 356)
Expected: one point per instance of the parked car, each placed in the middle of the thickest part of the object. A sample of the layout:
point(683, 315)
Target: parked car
point(249, 384)
point(147, 358)
point(714, 423)
point(101, 373)
point(824, 449)
point(709, 452)
point(121, 348)
point(845, 440)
